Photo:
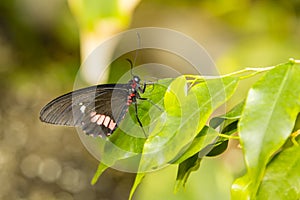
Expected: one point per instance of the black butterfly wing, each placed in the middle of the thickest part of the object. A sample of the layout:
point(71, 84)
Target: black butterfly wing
point(77, 108)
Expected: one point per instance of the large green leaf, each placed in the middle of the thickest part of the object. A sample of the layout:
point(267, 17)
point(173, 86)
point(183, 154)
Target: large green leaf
point(164, 142)
point(268, 118)
point(282, 178)
point(187, 111)
point(171, 125)
point(204, 142)
point(172, 136)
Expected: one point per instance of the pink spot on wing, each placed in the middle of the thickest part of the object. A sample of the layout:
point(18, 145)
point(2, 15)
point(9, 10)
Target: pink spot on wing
point(112, 125)
point(101, 119)
point(93, 114)
point(95, 118)
point(106, 121)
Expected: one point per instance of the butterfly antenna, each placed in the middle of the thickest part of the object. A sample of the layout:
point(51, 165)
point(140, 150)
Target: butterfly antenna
point(136, 55)
point(139, 46)
point(131, 66)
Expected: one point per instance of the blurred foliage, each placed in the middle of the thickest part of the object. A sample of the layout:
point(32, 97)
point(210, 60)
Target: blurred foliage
point(90, 13)
point(39, 58)
point(35, 39)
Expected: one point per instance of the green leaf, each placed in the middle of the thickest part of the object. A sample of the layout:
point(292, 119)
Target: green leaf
point(281, 180)
point(233, 115)
point(190, 160)
point(101, 168)
point(171, 130)
point(222, 143)
point(176, 128)
point(202, 140)
point(138, 179)
point(174, 97)
point(218, 149)
point(268, 118)
point(158, 148)
point(228, 125)
point(184, 170)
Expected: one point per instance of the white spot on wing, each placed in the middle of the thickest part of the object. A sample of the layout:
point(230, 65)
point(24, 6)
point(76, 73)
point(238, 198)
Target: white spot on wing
point(82, 108)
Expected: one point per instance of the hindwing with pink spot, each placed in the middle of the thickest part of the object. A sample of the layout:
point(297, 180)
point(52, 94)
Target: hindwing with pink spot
point(103, 120)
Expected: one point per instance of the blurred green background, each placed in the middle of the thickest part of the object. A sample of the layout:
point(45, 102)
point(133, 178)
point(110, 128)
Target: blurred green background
point(40, 44)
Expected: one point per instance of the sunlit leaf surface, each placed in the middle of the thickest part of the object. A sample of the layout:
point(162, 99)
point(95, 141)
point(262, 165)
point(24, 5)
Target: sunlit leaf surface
point(281, 180)
point(268, 118)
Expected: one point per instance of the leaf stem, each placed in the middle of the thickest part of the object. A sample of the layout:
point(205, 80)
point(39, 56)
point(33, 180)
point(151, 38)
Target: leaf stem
point(252, 71)
point(229, 136)
point(293, 137)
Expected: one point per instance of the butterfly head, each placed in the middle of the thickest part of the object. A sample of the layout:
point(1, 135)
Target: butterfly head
point(136, 79)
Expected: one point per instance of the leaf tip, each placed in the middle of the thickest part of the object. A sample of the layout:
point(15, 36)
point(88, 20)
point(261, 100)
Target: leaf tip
point(101, 168)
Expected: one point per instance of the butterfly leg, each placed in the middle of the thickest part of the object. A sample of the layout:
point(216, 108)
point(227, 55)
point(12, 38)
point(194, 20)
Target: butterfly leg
point(149, 100)
point(144, 88)
point(138, 119)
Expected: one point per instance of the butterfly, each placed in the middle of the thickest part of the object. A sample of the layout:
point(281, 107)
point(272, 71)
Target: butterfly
point(98, 109)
